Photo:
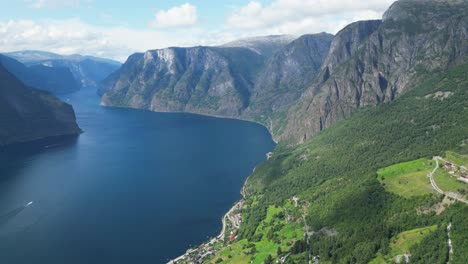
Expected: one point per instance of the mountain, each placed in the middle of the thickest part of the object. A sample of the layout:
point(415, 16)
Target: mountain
point(264, 45)
point(109, 82)
point(27, 114)
point(232, 80)
point(301, 87)
point(57, 80)
point(286, 74)
point(88, 71)
point(371, 63)
point(207, 80)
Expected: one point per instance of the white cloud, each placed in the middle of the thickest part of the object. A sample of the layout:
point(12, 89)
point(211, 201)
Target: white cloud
point(304, 16)
point(178, 16)
point(73, 36)
point(293, 17)
point(57, 4)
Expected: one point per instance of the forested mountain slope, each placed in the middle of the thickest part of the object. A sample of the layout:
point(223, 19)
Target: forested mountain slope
point(350, 215)
point(27, 114)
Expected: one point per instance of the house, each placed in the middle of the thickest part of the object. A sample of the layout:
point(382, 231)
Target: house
point(463, 174)
point(232, 237)
point(448, 165)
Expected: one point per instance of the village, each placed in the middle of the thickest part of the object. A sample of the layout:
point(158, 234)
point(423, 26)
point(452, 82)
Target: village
point(458, 171)
point(233, 220)
point(231, 224)
point(450, 180)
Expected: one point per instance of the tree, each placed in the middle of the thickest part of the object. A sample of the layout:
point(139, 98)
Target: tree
point(269, 260)
point(279, 251)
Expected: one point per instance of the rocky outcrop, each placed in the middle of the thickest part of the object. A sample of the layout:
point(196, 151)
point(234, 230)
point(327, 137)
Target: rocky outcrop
point(346, 43)
point(415, 38)
point(27, 114)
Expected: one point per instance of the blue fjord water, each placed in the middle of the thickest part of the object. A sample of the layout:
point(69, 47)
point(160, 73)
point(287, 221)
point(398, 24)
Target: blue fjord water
point(136, 187)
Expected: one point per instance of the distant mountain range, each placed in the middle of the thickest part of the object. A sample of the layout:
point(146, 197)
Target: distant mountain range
point(86, 71)
point(57, 80)
point(266, 46)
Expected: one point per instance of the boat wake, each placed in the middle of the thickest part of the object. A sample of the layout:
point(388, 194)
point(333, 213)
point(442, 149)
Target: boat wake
point(5, 218)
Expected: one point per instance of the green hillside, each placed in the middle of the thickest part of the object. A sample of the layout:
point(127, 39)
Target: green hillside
point(335, 177)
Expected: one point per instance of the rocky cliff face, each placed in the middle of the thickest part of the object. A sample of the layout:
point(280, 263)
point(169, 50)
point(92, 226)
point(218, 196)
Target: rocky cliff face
point(346, 43)
point(286, 74)
point(206, 80)
point(371, 63)
point(27, 114)
point(240, 79)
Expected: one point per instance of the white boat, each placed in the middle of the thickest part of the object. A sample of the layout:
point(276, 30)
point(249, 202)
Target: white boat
point(28, 204)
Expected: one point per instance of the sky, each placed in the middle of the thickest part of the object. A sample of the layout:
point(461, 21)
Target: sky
point(116, 29)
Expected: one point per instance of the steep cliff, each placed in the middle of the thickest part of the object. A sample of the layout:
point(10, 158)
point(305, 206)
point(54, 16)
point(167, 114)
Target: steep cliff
point(285, 76)
point(206, 80)
point(370, 63)
point(240, 79)
point(27, 114)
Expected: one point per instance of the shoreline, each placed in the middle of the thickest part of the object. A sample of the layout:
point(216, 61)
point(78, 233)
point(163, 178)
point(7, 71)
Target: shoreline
point(220, 236)
point(195, 113)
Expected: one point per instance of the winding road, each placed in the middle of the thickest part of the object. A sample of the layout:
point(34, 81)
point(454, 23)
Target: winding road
point(434, 185)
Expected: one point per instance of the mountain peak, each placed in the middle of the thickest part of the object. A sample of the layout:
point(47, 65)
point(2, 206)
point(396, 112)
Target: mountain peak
point(263, 45)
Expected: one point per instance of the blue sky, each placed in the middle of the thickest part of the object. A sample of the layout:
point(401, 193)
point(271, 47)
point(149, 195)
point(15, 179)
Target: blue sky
point(104, 12)
point(115, 29)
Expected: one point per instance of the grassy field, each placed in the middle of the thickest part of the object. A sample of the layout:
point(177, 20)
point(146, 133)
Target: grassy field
point(459, 159)
point(256, 252)
point(401, 243)
point(408, 178)
point(449, 183)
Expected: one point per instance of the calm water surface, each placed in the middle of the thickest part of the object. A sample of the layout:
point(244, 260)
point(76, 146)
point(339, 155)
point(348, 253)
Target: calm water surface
point(136, 187)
